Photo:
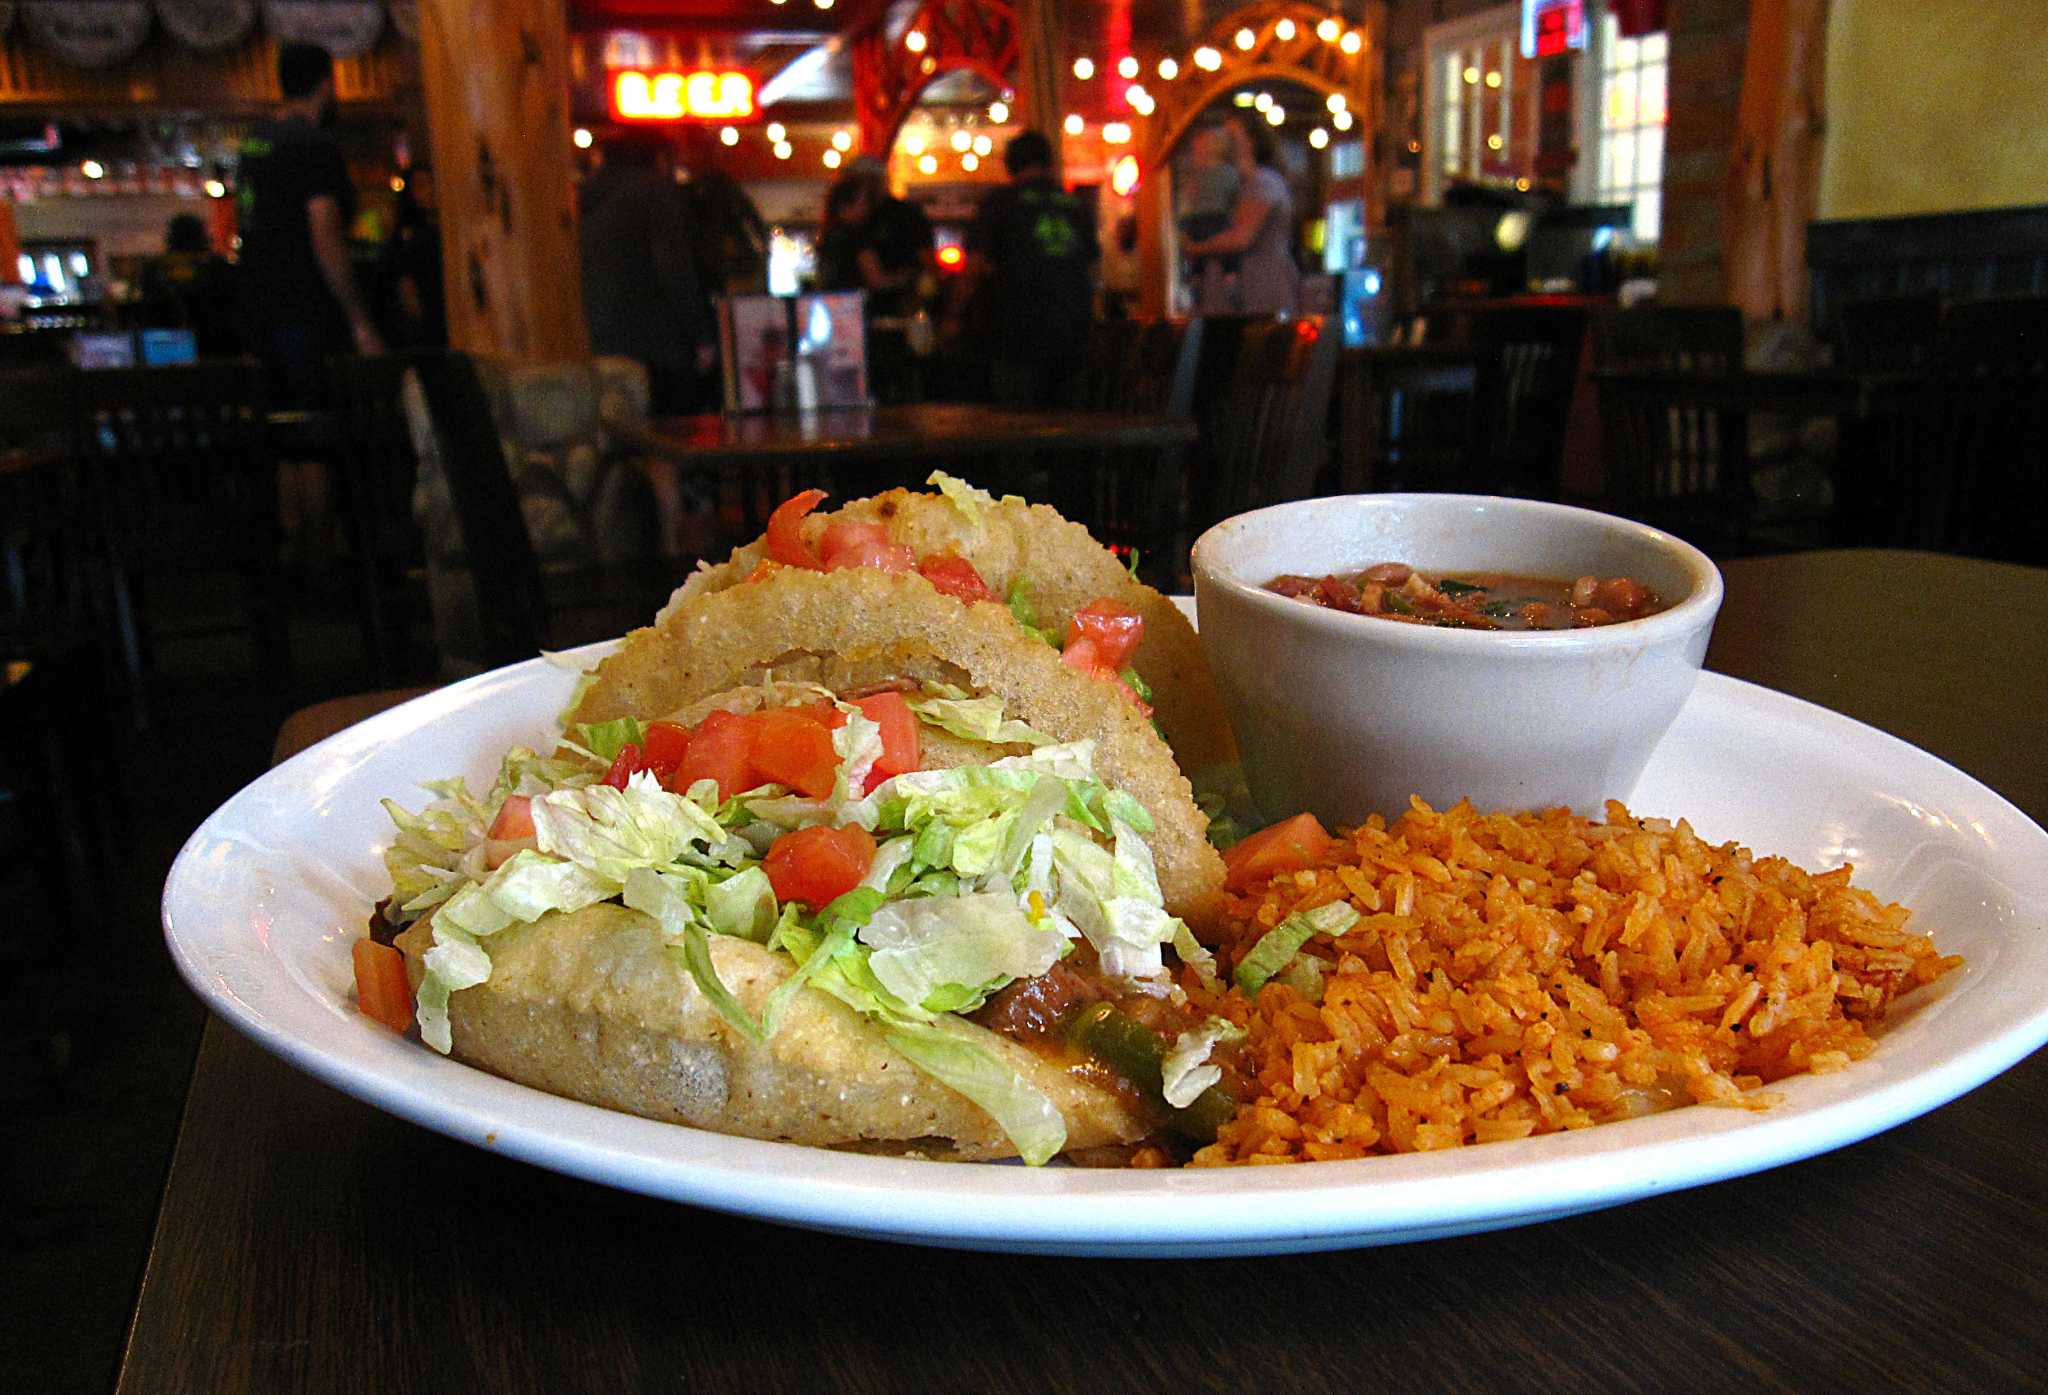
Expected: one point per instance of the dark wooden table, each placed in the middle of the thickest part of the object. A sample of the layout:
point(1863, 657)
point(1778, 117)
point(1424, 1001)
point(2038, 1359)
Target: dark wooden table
point(934, 432)
point(308, 1243)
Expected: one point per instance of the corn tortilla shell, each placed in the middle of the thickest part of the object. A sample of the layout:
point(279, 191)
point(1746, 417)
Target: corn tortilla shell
point(593, 1005)
point(1065, 569)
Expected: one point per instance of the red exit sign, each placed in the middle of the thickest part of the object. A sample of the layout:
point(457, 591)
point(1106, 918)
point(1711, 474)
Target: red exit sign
point(1550, 27)
point(703, 94)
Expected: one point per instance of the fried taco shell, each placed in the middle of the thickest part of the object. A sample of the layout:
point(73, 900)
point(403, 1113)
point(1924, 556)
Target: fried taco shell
point(1064, 569)
point(862, 626)
point(594, 1006)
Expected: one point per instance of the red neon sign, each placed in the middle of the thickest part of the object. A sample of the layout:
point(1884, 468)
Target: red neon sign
point(701, 95)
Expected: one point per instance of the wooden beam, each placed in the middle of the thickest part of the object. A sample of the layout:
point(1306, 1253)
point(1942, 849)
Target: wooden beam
point(1041, 69)
point(496, 74)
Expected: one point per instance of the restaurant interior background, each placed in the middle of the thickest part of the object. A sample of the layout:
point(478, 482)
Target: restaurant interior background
point(1768, 272)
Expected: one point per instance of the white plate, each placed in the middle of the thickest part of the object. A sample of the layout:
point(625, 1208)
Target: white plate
point(262, 903)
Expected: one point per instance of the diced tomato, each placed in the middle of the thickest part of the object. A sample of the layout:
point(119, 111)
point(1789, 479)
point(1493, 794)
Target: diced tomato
point(902, 747)
point(785, 530)
point(1292, 845)
point(382, 991)
point(814, 865)
point(1116, 630)
point(764, 569)
point(515, 818)
point(792, 747)
point(850, 544)
point(720, 749)
point(956, 576)
point(630, 761)
point(665, 744)
point(1082, 653)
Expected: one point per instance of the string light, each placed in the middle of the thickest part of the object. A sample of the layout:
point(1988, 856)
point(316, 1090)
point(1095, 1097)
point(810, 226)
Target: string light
point(831, 158)
point(217, 190)
point(914, 41)
point(1245, 39)
point(1352, 42)
point(1284, 31)
point(970, 162)
point(1275, 114)
point(1074, 125)
point(1342, 121)
point(1319, 138)
point(1336, 102)
point(913, 145)
point(1262, 102)
point(842, 140)
point(1327, 31)
point(1084, 68)
point(1140, 100)
point(927, 164)
point(1116, 133)
point(93, 169)
point(1168, 70)
point(983, 145)
point(962, 140)
point(1208, 59)
point(822, 4)
point(783, 150)
point(776, 133)
point(1493, 79)
point(1471, 75)
point(1127, 66)
point(1493, 142)
point(999, 112)
point(582, 138)
point(728, 136)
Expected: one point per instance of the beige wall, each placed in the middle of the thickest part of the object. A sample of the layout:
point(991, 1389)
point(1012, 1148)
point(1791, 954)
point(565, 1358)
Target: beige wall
point(1935, 106)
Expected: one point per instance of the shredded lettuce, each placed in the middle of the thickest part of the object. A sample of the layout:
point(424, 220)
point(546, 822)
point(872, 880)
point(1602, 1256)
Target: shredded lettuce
point(976, 719)
point(964, 496)
point(1022, 1110)
point(697, 958)
point(611, 831)
point(1183, 1073)
point(1278, 946)
point(604, 740)
point(970, 945)
point(1025, 614)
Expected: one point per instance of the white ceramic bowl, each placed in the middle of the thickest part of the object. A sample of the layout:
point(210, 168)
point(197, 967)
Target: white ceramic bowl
point(1347, 715)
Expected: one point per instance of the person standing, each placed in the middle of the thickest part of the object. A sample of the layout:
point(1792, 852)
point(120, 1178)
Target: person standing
point(1260, 236)
point(642, 297)
point(296, 203)
point(192, 287)
point(1032, 251)
point(299, 290)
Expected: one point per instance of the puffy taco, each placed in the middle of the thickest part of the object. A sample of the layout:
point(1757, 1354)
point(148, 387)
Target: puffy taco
point(860, 905)
point(1058, 584)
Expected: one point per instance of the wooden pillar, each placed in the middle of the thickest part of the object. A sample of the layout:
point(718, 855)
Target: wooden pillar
point(496, 74)
point(1155, 268)
point(10, 245)
point(1368, 99)
point(1041, 66)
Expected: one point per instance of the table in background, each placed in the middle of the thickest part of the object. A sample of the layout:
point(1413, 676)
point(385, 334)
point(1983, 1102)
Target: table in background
point(935, 432)
point(311, 1243)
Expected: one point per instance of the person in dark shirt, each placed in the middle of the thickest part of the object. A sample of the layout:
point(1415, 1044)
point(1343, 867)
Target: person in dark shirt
point(192, 287)
point(641, 294)
point(1031, 255)
point(296, 203)
point(412, 258)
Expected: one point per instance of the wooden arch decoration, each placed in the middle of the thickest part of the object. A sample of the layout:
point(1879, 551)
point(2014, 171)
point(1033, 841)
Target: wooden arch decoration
point(1288, 44)
point(980, 36)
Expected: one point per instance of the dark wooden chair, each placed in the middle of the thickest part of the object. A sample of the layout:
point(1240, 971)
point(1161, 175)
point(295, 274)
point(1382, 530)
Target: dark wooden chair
point(187, 491)
point(375, 468)
point(1530, 360)
point(1268, 431)
point(1889, 332)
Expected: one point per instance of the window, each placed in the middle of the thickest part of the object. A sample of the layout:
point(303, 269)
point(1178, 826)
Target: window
point(1479, 95)
point(1630, 142)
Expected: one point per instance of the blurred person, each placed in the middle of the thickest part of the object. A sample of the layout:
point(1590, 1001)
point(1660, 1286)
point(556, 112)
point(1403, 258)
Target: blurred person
point(1209, 192)
point(1260, 236)
point(299, 289)
point(642, 296)
point(1031, 254)
point(875, 242)
point(412, 262)
point(190, 286)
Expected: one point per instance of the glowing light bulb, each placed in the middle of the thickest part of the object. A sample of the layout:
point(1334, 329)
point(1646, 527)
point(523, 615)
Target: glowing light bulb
point(842, 140)
point(1208, 59)
point(914, 41)
point(1342, 121)
point(728, 136)
point(1127, 66)
point(962, 140)
point(1336, 102)
point(999, 112)
point(831, 158)
point(1074, 125)
point(1275, 114)
point(1245, 39)
point(776, 133)
point(1326, 30)
point(582, 138)
point(970, 162)
point(1140, 100)
point(1493, 79)
point(1168, 70)
point(783, 150)
point(93, 169)
point(1284, 30)
point(1319, 138)
point(217, 190)
point(1116, 133)
point(1493, 142)
point(1084, 68)
point(913, 145)
point(1352, 41)
point(1471, 75)
point(1262, 102)
point(983, 145)
point(927, 164)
